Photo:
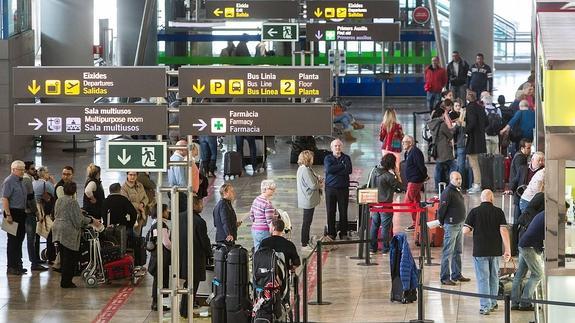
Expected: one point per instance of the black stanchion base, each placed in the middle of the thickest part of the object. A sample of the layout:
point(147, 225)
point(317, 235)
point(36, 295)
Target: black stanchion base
point(370, 264)
point(356, 258)
point(421, 321)
point(319, 303)
point(74, 150)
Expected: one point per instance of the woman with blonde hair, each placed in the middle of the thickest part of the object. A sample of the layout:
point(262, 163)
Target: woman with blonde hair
point(391, 135)
point(308, 193)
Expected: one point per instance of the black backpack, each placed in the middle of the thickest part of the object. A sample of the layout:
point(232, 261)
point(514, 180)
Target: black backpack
point(270, 283)
point(494, 122)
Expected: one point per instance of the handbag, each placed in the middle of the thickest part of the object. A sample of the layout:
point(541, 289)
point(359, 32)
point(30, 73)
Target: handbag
point(44, 224)
point(506, 271)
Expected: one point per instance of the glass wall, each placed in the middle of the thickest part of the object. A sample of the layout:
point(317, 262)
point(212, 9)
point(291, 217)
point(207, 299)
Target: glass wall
point(16, 17)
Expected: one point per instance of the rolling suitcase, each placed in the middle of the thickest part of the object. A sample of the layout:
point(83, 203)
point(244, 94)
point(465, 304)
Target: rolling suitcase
point(238, 303)
point(507, 163)
point(232, 164)
point(121, 268)
point(498, 173)
point(435, 235)
point(513, 228)
point(218, 302)
point(486, 168)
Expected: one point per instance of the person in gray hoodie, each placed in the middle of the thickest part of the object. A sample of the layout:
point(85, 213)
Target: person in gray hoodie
point(387, 182)
point(308, 193)
point(442, 131)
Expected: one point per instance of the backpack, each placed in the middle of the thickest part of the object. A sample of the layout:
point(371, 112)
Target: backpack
point(426, 133)
point(270, 284)
point(494, 122)
point(432, 147)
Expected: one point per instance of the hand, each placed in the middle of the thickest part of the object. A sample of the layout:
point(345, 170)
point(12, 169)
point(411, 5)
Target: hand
point(230, 238)
point(507, 256)
point(93, 200)
point(8, 218)
point(503, 131)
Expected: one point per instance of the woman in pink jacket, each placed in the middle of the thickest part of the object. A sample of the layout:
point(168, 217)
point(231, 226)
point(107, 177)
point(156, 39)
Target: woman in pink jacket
point(391, 135)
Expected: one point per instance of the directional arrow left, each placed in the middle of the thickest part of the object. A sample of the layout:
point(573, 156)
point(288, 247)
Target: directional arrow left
point(37, 124)
point(201, 126)
point(124, 159)
point(272, 32)
point(218, 12)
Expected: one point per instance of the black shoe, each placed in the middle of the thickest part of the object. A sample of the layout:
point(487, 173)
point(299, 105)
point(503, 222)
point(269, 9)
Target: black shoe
point(71, 285)
point(515, 307)
point(410, 228)
point(58, 270)
point(23, 270)
point(38, 268)
point(448, 282)
point(14, 271)
point(526, 308)
point(462, 279)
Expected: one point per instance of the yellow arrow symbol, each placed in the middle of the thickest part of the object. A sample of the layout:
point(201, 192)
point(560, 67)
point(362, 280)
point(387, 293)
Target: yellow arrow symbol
point(318, 12)
point(199, 87)
point(218, 12)
point(34, 88)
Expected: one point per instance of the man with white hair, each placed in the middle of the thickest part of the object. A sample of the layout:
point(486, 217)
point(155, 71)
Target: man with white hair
point(14, 205)
point(494, 124)
point(338, 167)
point(489, 228)
point(415, 174)
point(451, 215)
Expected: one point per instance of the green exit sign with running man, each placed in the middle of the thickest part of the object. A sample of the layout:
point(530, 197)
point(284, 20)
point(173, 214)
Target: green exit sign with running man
point(136, 156)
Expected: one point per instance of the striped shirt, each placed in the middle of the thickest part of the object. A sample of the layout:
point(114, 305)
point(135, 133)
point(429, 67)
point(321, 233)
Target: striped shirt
point(261, 213)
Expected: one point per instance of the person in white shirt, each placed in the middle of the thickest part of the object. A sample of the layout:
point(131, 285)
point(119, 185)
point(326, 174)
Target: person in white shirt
point(536, 185)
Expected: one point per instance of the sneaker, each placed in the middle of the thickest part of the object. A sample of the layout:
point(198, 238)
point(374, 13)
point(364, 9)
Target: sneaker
point(496, 306)
point(484, 311)
point(306, 248)
point(410, 228)
point(476, 188)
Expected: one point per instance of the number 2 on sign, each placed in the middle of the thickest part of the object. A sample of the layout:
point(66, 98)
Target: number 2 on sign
point(287, 87)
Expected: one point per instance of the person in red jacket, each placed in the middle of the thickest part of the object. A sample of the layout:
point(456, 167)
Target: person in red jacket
point(435, 81)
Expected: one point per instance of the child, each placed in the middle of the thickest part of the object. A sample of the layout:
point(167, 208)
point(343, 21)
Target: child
point(152, 246)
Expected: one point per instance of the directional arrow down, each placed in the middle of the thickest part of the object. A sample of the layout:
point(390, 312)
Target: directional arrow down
point(124, 159)
point(199, 87)
point(318, 35)
point(202, 125)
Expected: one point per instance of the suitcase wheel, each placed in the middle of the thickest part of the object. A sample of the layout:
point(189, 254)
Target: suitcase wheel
point(91, 281)
point(85, 273)
point(44, 254)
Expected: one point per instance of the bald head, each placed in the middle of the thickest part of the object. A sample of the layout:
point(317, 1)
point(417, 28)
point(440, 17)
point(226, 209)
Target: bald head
point(455, 179)
point(182, 151)
point(487, 196)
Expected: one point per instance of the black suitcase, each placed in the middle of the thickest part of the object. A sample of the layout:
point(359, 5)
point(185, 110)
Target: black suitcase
point(110, 252)
point(140, 255)
point(232, 163)
point(486, 169)
point(498, 172)
point(238, 303)
point(218, 302)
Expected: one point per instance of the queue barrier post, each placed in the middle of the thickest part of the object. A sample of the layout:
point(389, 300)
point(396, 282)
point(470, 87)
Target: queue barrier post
point(319, 296)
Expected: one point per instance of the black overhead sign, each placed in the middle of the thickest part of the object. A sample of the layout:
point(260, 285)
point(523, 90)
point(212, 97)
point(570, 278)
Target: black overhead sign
point(327, 9)
point(256, 120)
point(94, 119)
point(254, 82)
point(352, 32)
point(252, 9)
point(61, 81)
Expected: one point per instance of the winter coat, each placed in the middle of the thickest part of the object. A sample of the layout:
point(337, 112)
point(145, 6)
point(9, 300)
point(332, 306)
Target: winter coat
point(388, 139)
point(461, 77)
point(386, 183)
point(435, 79)
point(442, 138)
point(475, 124)
point(308, 188)
point(408, 271)
point(68, 222)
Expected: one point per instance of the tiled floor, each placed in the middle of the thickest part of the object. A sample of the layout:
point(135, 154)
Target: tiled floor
point(356, 293)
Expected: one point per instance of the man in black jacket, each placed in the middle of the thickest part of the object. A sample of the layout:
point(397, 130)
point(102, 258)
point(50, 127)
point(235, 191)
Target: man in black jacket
point(225, 219)
point(120, 210)
point(415, 174)
point(457, 76)
point(476, 122)
point(451, 216)
point(518, 173)
point(480, 76)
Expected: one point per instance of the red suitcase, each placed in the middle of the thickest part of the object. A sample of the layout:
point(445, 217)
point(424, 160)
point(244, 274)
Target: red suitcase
point(507, 163)
point(436, 234)
point(121, 268)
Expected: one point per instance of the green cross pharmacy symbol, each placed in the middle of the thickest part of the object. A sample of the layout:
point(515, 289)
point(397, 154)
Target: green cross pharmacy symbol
point(218, 125)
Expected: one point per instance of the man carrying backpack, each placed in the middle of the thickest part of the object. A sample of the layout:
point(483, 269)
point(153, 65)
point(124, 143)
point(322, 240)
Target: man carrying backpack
point(494, 125)
point(282, 245)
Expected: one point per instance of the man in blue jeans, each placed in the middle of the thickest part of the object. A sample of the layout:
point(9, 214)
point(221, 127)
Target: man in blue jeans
point(451, 215)
point(530, 258)
point(487, 222)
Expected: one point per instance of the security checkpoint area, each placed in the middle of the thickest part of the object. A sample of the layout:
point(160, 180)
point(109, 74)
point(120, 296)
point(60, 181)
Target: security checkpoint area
point(286, 161)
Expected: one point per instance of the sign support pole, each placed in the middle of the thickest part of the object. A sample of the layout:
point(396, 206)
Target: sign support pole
point(383, 79)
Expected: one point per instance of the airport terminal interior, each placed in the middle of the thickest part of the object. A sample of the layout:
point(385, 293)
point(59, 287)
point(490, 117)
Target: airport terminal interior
point(183, 90)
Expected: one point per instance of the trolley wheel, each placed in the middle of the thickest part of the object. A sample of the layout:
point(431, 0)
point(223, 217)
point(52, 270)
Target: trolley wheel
point(85, 273)
point(91, 281)
point(226, 177)
point(44, 254)
point(232, 177)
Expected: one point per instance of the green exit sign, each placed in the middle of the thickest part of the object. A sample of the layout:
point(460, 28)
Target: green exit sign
point(136, 156)
point(280, 31)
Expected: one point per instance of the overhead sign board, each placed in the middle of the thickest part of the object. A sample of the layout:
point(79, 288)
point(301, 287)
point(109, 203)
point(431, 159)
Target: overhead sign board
point(50, 82)
point(252, 9)
point(136, 156)
point(362, 9)
point(94, 119)
point(280, 31)
point(256, 120)
point(352, 32)
point(254, 82)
